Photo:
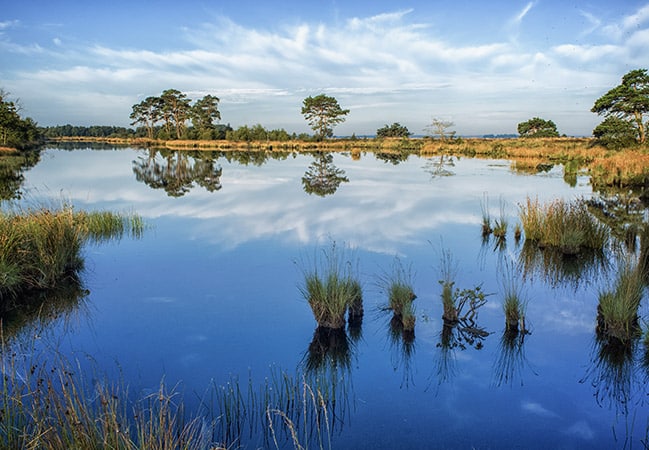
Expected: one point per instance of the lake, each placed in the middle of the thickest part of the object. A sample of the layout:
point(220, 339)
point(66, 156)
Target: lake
point(210, 295)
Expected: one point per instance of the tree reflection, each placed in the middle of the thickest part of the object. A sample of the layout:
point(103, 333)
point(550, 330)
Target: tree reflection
point(12, 167)
point(439, 166)
point(177, 172)
point(322, 177)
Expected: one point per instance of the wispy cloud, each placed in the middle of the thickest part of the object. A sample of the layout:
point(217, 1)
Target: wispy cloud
point(518, 18)
point(372, 62)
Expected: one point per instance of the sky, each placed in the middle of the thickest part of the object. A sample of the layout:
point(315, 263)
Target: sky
point(485, 66)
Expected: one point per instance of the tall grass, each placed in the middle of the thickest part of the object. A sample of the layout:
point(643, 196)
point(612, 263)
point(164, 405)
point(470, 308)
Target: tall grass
point(618, 306)
point(48, 403)
point(567, 226)
point(40, 248)
point(397, 284)
point(330, 287)
point(514, 302)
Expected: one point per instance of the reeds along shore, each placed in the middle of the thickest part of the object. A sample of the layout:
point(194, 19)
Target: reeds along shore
point(627, 167)
point(42, 248)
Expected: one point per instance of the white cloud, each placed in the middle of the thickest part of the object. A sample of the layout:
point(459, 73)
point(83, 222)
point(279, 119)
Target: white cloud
point(628, 24)
point(378, 63)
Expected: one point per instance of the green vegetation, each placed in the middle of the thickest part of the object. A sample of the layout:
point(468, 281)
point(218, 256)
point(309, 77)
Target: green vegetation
point(628, 101)
point(616, 133)
point(617, 311)
point(501, 224)
point(397, 284)
point(323, 113)
point(396, 130)
point(514, 303)
point(330, 287)
point(49, 405)
point(566, 226)
point(41, 248)
point(15, 132)
point(538, 128)
point(459, 305)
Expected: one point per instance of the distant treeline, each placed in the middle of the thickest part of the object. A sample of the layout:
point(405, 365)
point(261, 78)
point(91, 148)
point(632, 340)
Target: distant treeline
point(221, 132)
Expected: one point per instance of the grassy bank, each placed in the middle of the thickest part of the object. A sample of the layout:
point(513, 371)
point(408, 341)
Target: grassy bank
point(42, 248)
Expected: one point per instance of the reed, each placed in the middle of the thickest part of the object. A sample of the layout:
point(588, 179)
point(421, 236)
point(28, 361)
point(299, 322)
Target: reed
point(40, 248)
point(567, 226)
point(617, 311)
point(501, 224)
point(330, 287)
point(514, 304)
point(448, 269)
point(486, 217)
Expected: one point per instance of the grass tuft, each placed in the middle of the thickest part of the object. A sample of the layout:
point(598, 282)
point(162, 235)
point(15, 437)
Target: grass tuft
point(330, 287)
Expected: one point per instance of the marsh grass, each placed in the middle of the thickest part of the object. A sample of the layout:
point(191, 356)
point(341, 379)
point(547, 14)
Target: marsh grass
point(617, 311)
point(501, 224)
point(40, 248)
point(397, 284)
point(486, 216)
point(566, 226)
point(459, 305)
point(50, 403)
point(514, 299)
point(448, 269)
point(331, 286)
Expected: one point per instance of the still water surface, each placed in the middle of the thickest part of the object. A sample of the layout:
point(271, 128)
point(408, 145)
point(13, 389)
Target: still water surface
point(211, 292)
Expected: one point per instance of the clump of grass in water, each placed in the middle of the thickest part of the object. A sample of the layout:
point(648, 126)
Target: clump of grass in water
point(566, 226)
point(501, 224)
point(330, 287)
point(486, 217)
point(449, 270)
point(617, 311)
point(514, 303)
point(40, 248)
point(398, 286)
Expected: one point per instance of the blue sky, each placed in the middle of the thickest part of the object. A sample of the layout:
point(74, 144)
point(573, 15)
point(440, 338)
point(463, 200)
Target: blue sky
point(486, 66)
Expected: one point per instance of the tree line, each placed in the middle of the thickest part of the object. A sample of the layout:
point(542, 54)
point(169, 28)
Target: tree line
point(169, 115)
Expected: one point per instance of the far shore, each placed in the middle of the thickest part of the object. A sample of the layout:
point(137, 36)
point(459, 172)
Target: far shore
point(622, 168)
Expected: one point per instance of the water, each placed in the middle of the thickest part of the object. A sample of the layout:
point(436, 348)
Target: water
point(211, 292)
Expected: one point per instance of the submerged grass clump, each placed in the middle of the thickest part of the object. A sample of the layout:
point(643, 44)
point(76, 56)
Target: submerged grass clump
point(331, 287)
point(617, 311)
point(566, 226)
point(40, 248)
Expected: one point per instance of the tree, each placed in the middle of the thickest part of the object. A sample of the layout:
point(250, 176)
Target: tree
point(148, 112)
point(537, 127)
point(175, 110)
point(629, 100)
point(615, 133)
point(323, 113)
point(204, 113)
point(15, 131)
point(394, 130)
point(440, 128)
